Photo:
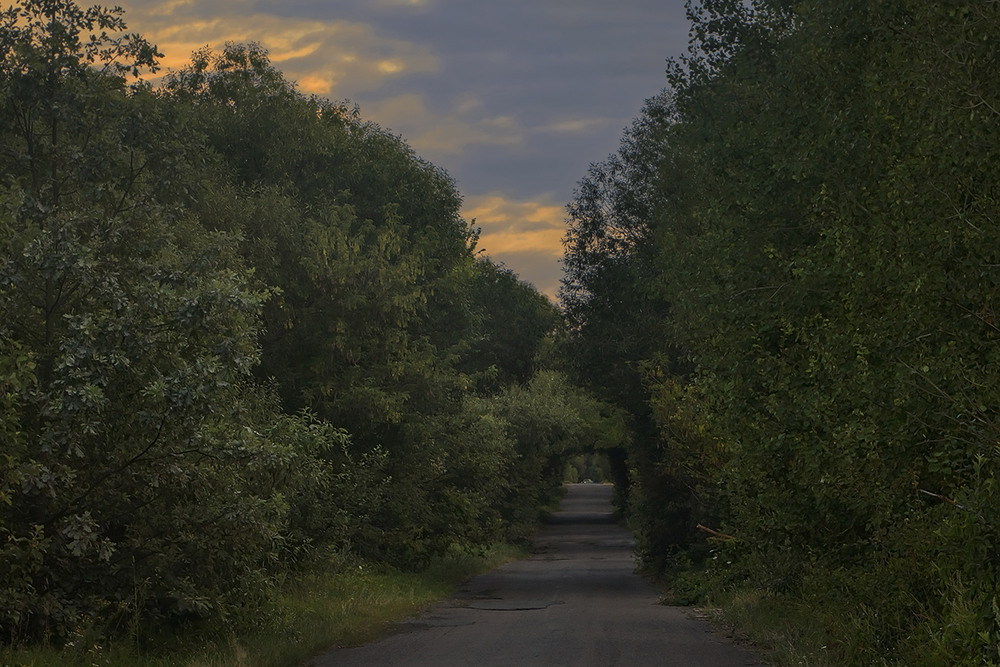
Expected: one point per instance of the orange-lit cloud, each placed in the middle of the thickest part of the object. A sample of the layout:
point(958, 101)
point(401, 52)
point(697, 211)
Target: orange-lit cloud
point(578, 125)
point(403, 3)
point(513, 226)
point(322, 56)
point(522, 234)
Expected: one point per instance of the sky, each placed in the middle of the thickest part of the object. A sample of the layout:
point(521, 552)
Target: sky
point(513, 98)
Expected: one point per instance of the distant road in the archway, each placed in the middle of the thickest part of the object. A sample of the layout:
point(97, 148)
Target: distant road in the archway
point(576, 602)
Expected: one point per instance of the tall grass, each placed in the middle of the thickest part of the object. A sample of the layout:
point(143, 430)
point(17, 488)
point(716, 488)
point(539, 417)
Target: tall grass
point(343, 603)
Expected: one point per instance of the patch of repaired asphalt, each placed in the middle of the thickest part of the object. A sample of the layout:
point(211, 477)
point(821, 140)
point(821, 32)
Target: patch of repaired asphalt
point(512, 605)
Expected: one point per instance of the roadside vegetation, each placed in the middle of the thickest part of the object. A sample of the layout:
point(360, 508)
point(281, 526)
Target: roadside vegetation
point(258, 389)
point(343, 604)
point(787, 276)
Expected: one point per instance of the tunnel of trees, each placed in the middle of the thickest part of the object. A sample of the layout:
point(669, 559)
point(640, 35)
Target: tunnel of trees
point(243, 329)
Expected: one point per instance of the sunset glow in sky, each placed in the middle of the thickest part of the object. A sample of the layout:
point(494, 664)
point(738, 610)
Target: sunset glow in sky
point(514, 98)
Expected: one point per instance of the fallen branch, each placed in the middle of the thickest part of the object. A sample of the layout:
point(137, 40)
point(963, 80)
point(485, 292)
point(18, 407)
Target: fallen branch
point(951, 502)
point(944, 498)
point(715, 533)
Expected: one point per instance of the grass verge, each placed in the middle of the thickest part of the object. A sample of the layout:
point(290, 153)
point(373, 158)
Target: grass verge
point(782, 631)
point(348, 605)
point(823, 622)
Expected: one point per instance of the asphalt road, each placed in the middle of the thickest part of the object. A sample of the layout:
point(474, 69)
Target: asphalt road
point(575, 602)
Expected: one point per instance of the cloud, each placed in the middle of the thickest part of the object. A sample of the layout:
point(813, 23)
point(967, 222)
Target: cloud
point(526, 235)
point(325, 57)
point(517, 226)
point(408, 4)
point(580, 125)
point(435, 134)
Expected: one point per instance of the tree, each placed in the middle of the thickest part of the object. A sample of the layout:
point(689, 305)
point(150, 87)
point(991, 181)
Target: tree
point(125, 328)
point(821, 236)
point(512, 323)
point(381, 309)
